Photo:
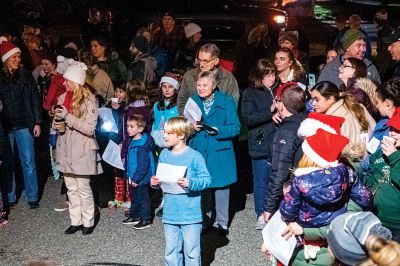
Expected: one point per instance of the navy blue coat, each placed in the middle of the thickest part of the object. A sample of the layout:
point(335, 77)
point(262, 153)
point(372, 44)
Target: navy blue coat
point(217, 150)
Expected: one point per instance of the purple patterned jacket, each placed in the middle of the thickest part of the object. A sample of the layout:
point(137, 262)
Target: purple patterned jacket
point(317, 196)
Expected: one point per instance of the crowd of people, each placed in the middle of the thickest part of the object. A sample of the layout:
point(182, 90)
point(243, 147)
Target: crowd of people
point(324, 156)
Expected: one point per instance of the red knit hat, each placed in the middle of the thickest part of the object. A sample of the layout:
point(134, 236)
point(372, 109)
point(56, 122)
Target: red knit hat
point(8, 49)
point(324, 148)
point(315, 121)
point(394, 121)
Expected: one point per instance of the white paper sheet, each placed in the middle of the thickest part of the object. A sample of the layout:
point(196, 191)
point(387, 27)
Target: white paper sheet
point(108, 122)
point(192, 111)
point(112, 155)
point(272, 235)
point(169, 175)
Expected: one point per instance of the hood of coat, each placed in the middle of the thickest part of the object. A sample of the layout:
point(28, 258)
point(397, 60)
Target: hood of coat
point(322, 187)
point(148, 59)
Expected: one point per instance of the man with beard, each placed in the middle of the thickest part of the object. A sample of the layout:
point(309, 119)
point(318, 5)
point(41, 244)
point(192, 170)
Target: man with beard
point(143, 65)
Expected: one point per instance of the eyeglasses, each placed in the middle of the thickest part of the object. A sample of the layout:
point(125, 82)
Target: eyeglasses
point(345, 66)
point(205, 61)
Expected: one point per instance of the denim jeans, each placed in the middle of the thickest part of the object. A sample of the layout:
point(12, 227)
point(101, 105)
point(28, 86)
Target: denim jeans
point(140, 205)
point(186, 235)
point(26, 151)
point(261, 170)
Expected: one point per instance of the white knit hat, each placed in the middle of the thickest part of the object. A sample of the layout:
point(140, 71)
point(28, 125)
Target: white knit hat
point(76, 73)
point(7, 49)
point(191, 29)
point(63, 63)
point(171, 81)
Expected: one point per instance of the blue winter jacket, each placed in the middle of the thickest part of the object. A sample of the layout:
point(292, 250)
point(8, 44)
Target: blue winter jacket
point(317, 196)
point(140, 165)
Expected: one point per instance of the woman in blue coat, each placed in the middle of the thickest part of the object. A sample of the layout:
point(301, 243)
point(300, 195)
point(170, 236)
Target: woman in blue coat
point(213, 139)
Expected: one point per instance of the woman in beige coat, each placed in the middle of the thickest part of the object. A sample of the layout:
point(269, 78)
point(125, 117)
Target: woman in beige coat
point(77, 154)
point(358, 124)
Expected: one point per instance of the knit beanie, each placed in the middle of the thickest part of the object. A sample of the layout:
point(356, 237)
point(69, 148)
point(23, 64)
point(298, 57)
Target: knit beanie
point(350, 36)
point(191, 29)
point(141, 43)
point(171, 81)
point(291, 36)
point(76, 73)
point(348, 232)
point(8, 49)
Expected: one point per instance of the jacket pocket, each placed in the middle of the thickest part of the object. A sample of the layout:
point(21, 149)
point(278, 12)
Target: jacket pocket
point(223, 145)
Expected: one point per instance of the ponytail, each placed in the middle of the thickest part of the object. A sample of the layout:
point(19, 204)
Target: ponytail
point(356, 109)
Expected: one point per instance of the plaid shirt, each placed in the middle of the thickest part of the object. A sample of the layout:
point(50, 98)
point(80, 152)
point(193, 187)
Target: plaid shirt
point(172, 41)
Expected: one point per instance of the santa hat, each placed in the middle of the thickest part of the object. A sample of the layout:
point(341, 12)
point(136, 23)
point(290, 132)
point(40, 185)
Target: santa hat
point(76, 73)
point(394, 121)
point(7, 50)
point(324, 148)
point(314, 121)
point(171, 81)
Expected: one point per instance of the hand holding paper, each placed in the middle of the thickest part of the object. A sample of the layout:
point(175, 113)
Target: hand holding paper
point(169, 176)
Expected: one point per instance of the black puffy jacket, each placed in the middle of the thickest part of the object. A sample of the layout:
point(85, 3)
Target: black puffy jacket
point(22, 107)
point(256, 114)
point(286, 151)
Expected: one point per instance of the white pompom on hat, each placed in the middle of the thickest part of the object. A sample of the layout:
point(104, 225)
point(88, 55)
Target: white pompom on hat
point(314, 121)
point(76, 73)
point(63, 64)
point(171, 81)
point(191, 29)
point(7, 49)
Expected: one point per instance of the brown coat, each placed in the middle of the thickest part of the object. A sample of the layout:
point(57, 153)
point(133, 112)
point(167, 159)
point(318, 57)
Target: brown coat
point(77, 151)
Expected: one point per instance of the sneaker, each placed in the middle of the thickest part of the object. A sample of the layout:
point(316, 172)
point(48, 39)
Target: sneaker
point(260, 223)
point(142, 225)
point(126, 205)
point(131, 220)
point(33, 205)
point(222, 230)
point(63, 206)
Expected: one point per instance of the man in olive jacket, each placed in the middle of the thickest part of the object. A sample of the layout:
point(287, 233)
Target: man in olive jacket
point(208, 59)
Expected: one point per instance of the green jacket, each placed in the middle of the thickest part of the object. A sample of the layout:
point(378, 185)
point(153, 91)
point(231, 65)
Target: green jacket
point(226, 83)
point(383, 177)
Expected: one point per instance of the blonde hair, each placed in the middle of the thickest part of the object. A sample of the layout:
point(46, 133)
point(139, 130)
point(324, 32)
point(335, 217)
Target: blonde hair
point(306, 161)
point(82, 94)
point(381, 252)
point(180, 126)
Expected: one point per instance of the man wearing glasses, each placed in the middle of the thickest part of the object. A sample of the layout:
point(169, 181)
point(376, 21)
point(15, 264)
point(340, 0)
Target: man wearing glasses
point(353, 45)
point(208, 59)
point(393, 40)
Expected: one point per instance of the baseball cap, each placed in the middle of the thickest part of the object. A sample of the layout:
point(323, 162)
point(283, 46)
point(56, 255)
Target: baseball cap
point(393, 37)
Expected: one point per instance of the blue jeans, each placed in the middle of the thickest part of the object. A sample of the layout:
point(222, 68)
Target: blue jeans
point(187, 235)
point(140, 205)
point(261, 170)
point(26, 151)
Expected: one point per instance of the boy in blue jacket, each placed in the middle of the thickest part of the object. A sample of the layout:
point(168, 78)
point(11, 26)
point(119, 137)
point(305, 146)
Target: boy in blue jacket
point(139, 168)
point(182, 217)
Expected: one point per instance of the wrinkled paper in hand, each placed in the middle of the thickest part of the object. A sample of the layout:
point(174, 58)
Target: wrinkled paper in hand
point(107, 119)
point(281, 248)
point(112, 155)
point(169, 175)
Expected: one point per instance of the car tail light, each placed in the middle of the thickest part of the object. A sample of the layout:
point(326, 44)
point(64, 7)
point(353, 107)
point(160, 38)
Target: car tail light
point(280, 19)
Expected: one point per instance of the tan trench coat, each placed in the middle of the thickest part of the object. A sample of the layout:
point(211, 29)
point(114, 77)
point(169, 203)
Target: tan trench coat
point(77, 151)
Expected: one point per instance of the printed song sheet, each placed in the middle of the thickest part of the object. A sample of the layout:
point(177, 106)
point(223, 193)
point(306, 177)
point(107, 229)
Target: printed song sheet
point(169, 175)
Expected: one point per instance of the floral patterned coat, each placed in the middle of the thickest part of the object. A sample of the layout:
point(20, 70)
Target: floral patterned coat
point(316, 196)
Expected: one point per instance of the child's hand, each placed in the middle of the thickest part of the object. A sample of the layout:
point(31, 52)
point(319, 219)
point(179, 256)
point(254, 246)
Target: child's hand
point(183, 182)
point(155, 181)
point(293, 229)
point(286, 189)
point(388, 146)
point(133, 184)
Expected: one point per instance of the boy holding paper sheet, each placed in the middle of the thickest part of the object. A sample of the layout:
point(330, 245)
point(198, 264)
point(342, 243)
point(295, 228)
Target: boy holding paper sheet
point(182, 217)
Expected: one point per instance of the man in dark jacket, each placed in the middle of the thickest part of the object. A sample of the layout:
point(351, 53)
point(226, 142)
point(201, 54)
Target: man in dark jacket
point(21, 117)
point(393, 40)
point(286, 145)
point(143, 65)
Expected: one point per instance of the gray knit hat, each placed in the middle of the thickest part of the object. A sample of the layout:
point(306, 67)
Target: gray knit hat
point(348, 232)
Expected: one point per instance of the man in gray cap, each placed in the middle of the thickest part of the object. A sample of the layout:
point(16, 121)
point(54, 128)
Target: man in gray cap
point(394, 49)
point(348, 233)
point(354, 45)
